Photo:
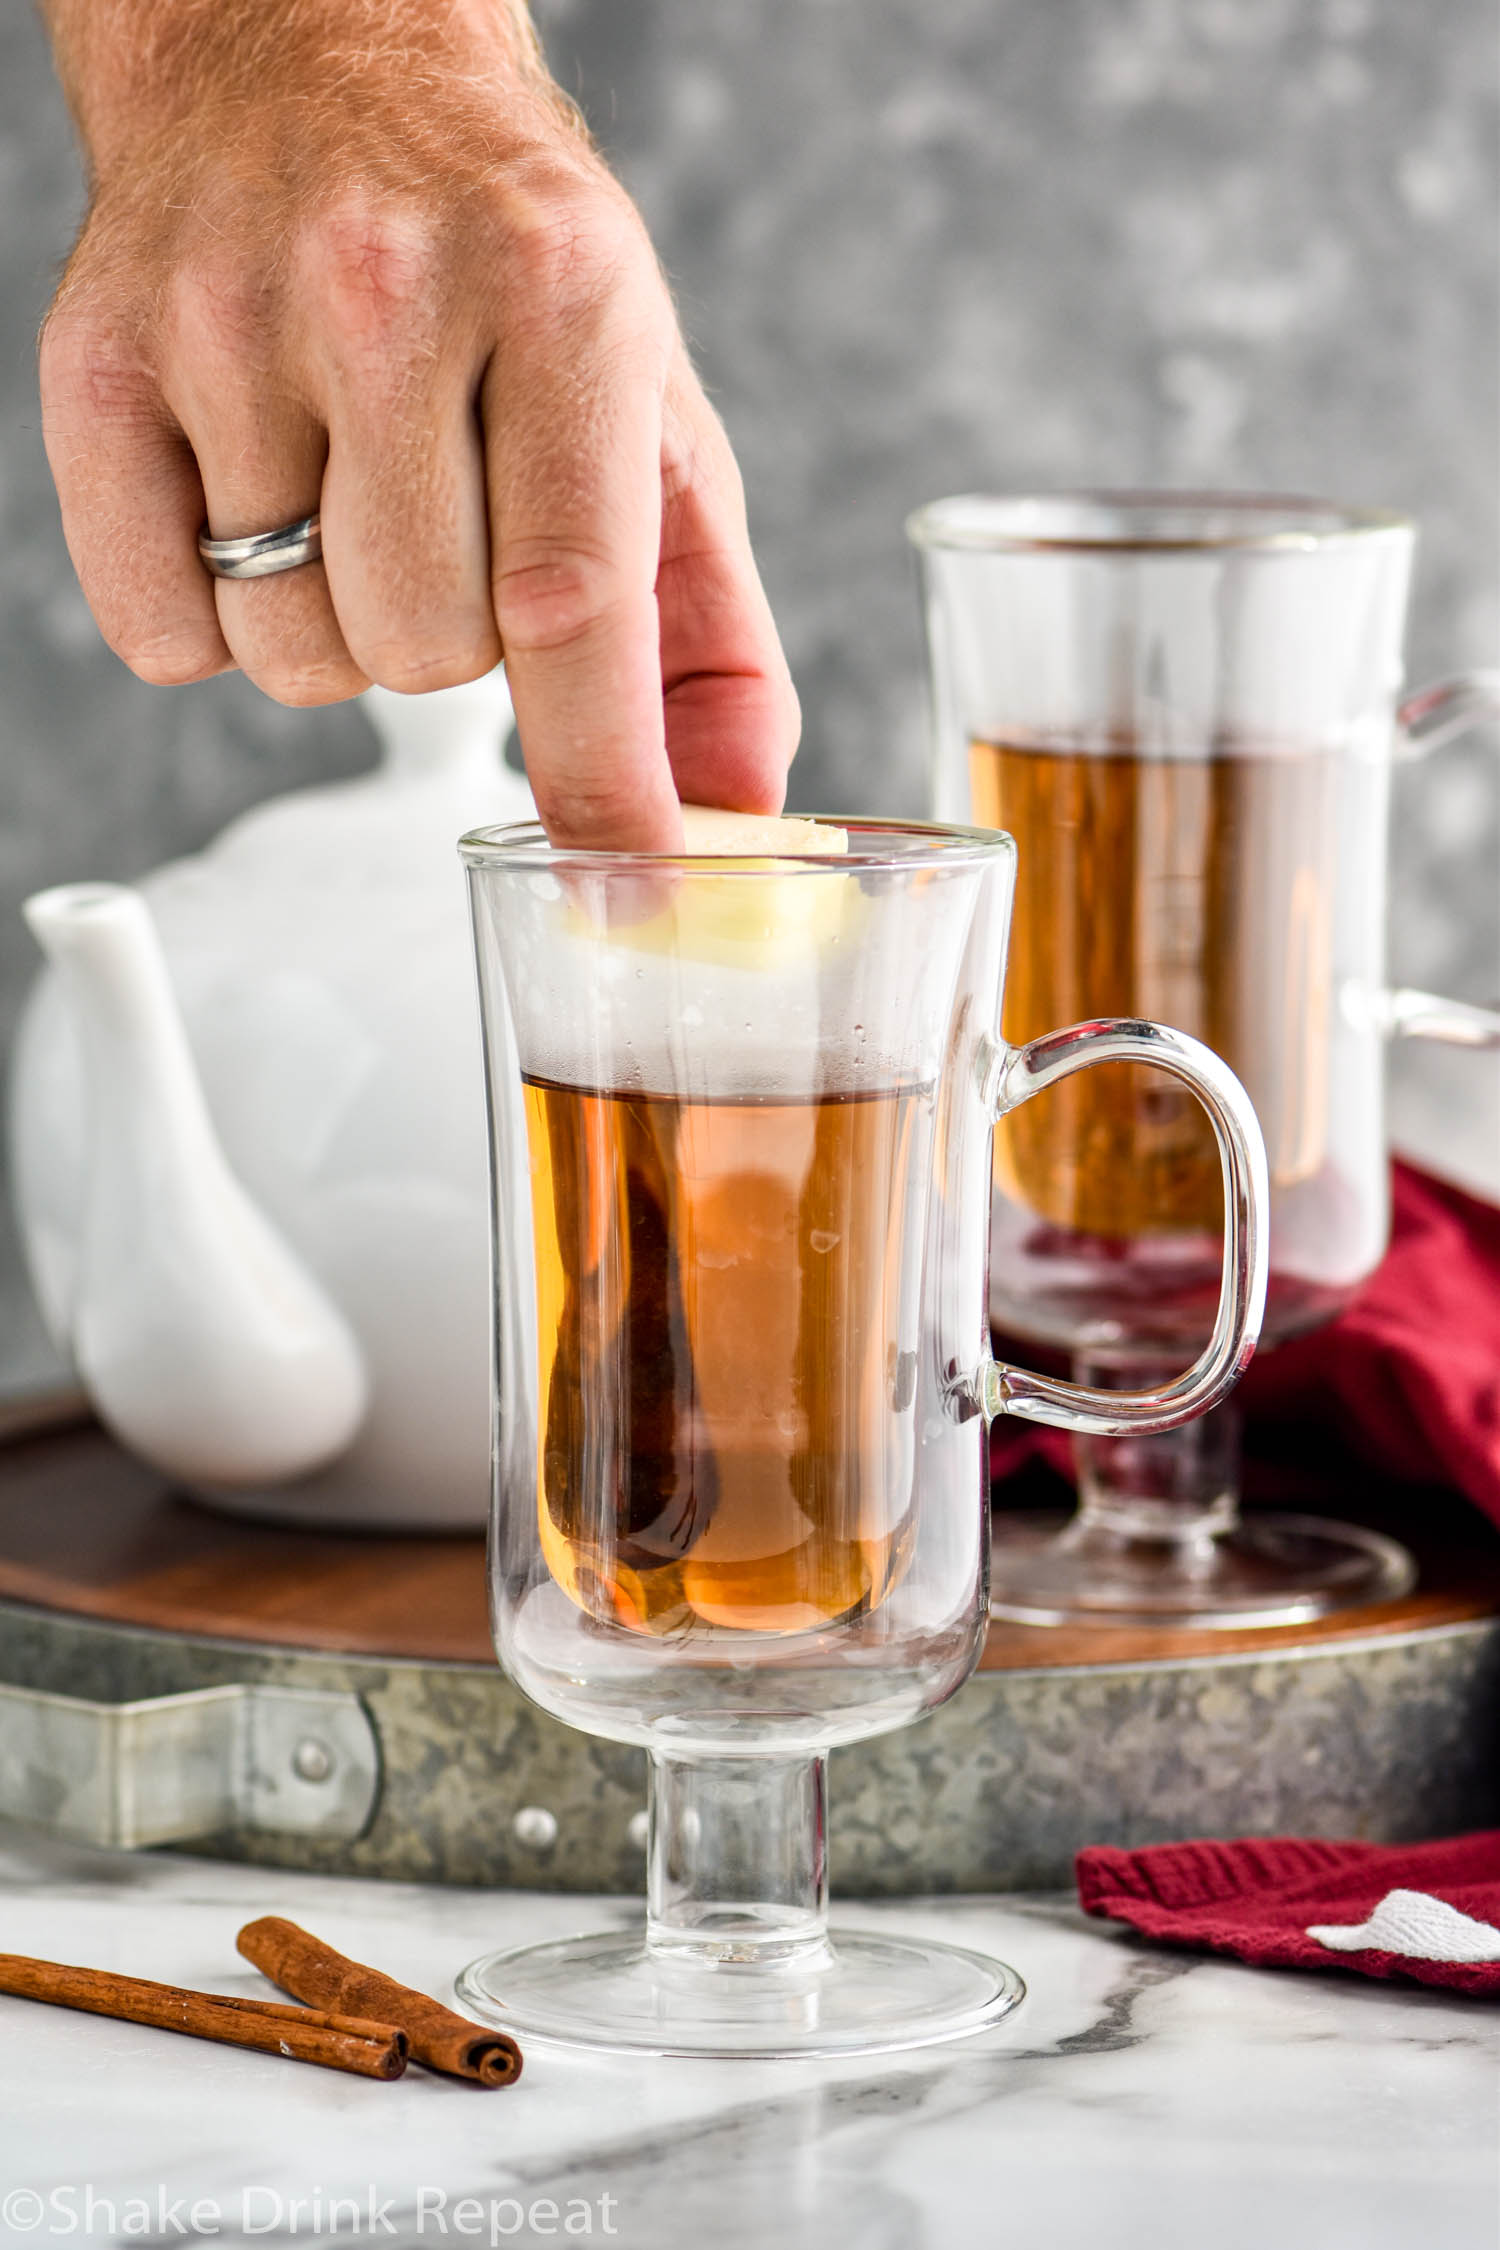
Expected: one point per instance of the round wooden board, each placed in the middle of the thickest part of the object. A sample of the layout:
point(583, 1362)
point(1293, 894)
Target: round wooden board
point(88, 1530)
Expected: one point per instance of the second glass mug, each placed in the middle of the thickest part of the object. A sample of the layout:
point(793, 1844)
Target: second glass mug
point(1184, 707)
point(741, 1123)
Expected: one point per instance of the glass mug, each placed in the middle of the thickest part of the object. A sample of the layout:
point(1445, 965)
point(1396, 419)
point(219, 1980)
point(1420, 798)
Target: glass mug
point(741, 1121)
point(1183, 708)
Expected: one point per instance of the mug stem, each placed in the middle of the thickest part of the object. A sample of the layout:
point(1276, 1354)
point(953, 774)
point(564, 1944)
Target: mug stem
point(1158, 1539)
point(1173, 1489)
point(737, 1860)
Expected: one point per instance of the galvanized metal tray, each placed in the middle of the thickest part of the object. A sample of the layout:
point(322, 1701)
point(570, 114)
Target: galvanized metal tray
point(170, 1676)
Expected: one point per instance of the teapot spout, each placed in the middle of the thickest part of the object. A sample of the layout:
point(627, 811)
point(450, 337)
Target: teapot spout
point(204, 1341)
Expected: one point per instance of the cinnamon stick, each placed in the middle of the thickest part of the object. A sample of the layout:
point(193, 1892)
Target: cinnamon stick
point(310, 1970)
point(370, 2049)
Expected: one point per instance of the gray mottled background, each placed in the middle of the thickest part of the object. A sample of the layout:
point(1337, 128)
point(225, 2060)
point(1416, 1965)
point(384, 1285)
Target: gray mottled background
point(919, 249)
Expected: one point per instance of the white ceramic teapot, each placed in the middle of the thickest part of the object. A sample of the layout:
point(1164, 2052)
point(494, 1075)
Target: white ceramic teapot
point(248, 1140)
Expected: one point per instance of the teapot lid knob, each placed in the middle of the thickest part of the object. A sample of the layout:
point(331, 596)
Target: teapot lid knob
point(447, 731)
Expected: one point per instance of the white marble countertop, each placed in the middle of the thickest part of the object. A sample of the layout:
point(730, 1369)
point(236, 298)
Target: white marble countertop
point(1140, 2099)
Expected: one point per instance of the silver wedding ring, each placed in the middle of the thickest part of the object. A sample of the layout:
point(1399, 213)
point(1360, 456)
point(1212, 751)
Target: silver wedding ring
point(262, 553)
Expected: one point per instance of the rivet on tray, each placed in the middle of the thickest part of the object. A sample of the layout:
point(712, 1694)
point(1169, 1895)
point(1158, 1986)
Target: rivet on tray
point(535, 1827)
point(312, 1760)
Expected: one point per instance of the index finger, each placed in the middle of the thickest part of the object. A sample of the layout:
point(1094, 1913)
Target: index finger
point(573, 426)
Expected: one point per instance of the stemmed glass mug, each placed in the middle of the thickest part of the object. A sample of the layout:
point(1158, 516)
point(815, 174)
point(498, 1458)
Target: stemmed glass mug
point(1184, 709)
point(741, 1119)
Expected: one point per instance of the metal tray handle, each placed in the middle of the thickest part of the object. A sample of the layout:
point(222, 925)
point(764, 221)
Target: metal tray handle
point(213, 1761)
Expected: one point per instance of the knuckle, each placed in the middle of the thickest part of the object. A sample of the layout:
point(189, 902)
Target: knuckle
point(87, 371)
point(373, 267)
point(552, 597)
point(569, 247)
point(305, 687)
point(410, 668)
point(168, 659)
point(696, 455)
point(587, 805)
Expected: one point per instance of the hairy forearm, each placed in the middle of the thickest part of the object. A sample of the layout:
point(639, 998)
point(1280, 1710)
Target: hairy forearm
point(133, 70)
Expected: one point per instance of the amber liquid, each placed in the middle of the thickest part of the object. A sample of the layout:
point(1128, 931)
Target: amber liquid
point(726, 1369)
point(1198, 891)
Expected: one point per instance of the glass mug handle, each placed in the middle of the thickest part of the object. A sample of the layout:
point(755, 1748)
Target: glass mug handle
point(1012, 1076)
point(1432, 716)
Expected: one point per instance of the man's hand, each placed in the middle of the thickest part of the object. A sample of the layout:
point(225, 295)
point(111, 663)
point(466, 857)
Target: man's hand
point(357, 256)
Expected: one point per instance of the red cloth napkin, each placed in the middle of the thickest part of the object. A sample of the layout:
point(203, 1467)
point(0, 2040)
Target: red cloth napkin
point(1406, 1382)
point(1258, 1899)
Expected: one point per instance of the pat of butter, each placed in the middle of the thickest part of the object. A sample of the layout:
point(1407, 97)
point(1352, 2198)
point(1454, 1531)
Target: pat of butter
point(749, 917)
point(754, 918)
point(709, 834)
